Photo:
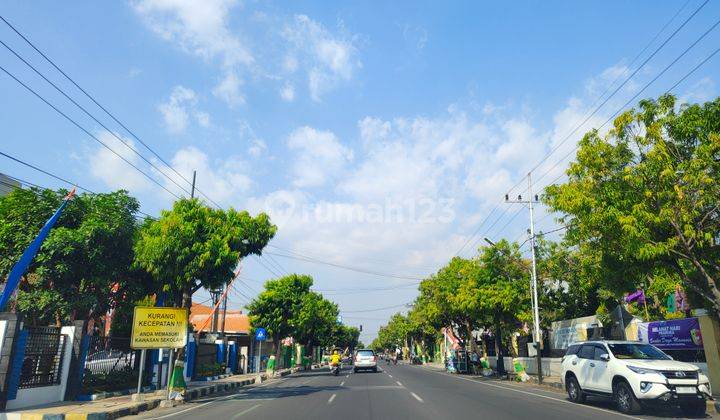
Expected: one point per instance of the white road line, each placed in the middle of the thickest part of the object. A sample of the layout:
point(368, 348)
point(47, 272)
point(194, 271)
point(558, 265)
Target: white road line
point(347, 376)
point(389, 375)
point(342, 383)
point(245, 411)
point(227, 397)
point(539, 395)
point(398, 382)
point(416, 397)
point(332, 397)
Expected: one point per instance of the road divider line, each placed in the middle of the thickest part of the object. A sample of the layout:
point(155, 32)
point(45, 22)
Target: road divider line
point(416, 397)
point(242, 413)
point(389, 375)
point(342, 383)
point(398, 382)
point(332, 397)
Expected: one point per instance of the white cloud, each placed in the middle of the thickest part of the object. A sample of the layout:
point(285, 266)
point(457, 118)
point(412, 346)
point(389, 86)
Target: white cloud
point(701, 91)
point(257, 148)
point(329, 58)
point(176, 111)
point(220, 180)
point(319, 155)
point(200, 27)
point(287, 92)
point(109, 168)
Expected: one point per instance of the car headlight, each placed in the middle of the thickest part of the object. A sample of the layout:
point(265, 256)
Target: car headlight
point(643, 371)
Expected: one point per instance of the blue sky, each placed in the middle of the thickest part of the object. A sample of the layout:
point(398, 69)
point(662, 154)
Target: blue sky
point(338, 118)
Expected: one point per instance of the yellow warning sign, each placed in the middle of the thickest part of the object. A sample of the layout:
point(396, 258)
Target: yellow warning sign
point(159, 328)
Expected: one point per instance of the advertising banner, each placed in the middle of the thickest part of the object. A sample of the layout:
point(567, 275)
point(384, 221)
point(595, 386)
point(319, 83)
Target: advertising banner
point(571, 330)
point(159, 328)
point(674, 334)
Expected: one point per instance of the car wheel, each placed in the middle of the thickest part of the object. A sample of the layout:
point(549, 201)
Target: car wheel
point(696, 409)
point(354, 370)
point(625, 399)
point(574, 392)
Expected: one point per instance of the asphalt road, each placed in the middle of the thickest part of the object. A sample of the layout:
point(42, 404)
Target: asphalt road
point(397, 392)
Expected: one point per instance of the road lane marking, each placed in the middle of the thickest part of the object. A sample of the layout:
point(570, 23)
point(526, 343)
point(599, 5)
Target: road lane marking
point(223, 398)
point(347, 376)
point(245, 411)
point(389, 375)
point(342, 383)
point(398, 382)
point(332, 397)
point(538, 395)
point(416, 397)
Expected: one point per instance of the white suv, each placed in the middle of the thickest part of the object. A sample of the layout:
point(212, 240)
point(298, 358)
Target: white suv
point(365, 359)
point(633, 372)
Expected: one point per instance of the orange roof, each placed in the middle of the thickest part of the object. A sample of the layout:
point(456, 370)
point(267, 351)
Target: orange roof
point(236, 322)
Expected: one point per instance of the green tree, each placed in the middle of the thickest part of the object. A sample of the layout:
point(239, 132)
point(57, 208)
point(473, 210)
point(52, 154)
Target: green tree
point(315, 320)
point(278, 307)
point(84, 266)
point(194, 246)
point(643, 200)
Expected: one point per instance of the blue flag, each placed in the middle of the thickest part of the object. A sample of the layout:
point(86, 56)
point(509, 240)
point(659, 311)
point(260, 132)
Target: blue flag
point(19, 268)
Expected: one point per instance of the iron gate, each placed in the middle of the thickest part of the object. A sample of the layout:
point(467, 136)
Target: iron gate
point(110, 364)
point(43, 359)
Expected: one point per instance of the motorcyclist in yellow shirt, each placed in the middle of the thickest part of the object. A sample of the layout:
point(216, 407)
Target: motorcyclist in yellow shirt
point(335, 358)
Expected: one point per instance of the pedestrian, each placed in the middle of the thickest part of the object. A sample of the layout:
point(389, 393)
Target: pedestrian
point(475, 362)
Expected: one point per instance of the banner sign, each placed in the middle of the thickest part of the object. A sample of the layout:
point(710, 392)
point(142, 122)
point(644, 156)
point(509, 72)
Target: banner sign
point(571, 330)
point(674, 334)
point(159, 328)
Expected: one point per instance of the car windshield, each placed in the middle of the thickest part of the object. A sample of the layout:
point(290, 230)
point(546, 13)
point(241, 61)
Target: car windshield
point(637, 351)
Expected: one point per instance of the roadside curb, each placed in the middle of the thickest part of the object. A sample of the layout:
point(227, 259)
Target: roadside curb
point(152, 401)
point(103, 395)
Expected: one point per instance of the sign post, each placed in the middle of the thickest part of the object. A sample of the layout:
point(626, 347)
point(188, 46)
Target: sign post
point(260, 336)
point(158, 328)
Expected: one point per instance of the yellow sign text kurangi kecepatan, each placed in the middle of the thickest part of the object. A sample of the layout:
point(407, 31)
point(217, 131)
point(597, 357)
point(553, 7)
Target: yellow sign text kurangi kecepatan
point(159, 328)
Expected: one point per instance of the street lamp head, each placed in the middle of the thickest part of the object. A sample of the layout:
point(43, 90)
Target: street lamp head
point(489, 241)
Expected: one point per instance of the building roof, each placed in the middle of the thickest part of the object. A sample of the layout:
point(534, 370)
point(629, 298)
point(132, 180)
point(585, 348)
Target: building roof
point(236, 322)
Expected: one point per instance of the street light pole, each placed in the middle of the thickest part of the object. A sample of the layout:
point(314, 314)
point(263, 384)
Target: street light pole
point(534, 297)
point(536, 310)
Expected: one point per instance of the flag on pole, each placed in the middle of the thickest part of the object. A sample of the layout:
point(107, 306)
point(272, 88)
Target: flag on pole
point(21, 266)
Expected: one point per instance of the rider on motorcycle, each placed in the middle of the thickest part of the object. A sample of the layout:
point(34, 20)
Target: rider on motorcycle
point(335, 359)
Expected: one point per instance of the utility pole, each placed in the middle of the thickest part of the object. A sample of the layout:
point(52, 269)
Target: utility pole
point(536, 311)
point(224, 309)
point(192, 191)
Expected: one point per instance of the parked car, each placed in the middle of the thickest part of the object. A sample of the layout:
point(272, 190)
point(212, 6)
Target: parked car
point(365, 359)
point(633, 374)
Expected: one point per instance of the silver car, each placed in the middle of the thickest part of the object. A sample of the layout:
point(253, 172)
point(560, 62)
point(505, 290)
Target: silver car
point(365, 359)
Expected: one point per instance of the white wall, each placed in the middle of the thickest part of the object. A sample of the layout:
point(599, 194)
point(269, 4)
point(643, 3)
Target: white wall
point(3, 331)
point(29, 397)
point(551, 366)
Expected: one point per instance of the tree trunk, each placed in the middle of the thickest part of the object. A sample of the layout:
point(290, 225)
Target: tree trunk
point(499, 348)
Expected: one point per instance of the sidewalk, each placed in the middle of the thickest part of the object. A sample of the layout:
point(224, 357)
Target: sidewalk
point(112, 408)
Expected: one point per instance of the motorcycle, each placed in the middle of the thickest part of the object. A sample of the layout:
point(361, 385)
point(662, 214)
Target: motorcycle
point(335, 369)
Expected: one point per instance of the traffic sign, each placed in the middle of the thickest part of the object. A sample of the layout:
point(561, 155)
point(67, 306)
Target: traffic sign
point(159, 328)
point(260, 334)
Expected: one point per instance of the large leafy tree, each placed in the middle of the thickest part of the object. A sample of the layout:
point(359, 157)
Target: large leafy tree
point(443, 302)
point(644, 199)
point(84, 266)
point(344, 336)
point(278, 307)
point(315, 321)
point(194, 246)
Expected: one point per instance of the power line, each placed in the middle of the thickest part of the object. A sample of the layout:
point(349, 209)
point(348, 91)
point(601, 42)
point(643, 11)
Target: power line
point(359, 270)
point(111, 132)
point(111, 115)
point(374, 260)
point(51, 189)
point(377, 309)
point(470, 238)
point(274, 262)
point(75, 123)
point(595, 110)
point(685, 51)
point(269, 269)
